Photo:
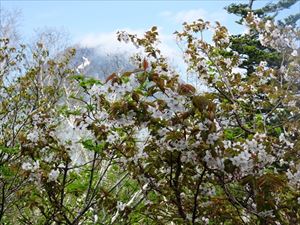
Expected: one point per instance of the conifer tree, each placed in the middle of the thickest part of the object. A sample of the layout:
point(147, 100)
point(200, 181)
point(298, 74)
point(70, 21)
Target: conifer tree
point(249, 44)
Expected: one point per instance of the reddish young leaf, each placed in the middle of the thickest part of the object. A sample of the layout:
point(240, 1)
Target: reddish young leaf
point(145, 64)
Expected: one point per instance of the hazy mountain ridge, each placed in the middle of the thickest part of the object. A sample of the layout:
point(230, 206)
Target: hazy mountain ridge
point(101, 64)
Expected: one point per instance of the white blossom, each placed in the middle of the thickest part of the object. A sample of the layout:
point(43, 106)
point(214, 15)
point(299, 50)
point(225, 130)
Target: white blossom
point(68, 134)
point(212, 138)
point(243, 161)
point(294, 53)
point(120, 206)
point(33, 135)
point(294, 178)
point(268, 25)
point(32, 166)
point(141, 137)
point(213, 163)
point(53, 175)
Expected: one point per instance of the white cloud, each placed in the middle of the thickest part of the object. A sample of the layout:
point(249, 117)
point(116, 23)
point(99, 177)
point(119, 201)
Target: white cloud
point(107, 43)
point(194, 14)
point(185, 16)
point(190, 15)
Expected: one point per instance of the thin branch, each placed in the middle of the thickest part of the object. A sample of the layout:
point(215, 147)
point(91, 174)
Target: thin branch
point(196, 196)
point(91, 177)
point(62, 193)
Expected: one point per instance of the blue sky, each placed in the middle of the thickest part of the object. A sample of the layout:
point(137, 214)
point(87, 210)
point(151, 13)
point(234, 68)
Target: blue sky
point(94, 23)
point(80, 18)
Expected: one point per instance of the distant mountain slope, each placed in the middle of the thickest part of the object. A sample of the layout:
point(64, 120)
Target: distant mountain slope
point(101, 64)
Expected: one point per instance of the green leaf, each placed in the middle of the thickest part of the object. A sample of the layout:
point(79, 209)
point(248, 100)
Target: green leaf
point(9, 150)
point(6, 171)
point(278, 130)
point(77, 187)
point(229, 134)
point(92, 146)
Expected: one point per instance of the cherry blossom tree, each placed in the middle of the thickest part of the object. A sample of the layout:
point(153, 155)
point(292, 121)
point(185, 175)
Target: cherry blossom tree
point(205, 158)
point(144, 147)
point(51, 173)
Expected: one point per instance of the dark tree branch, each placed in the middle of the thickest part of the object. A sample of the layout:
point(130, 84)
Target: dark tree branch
point(196, 197)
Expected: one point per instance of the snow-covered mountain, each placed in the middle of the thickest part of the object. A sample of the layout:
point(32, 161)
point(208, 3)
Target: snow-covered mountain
point(101, 65)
